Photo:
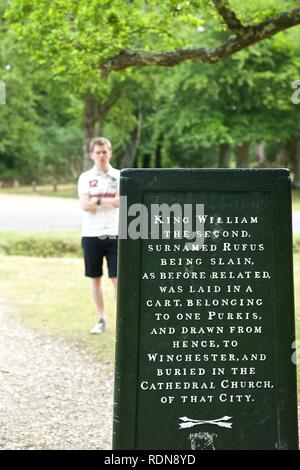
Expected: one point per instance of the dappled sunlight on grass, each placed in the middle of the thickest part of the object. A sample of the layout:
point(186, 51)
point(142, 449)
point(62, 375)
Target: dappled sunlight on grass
point(296, 199)
point(54, 295)
point(63, 190)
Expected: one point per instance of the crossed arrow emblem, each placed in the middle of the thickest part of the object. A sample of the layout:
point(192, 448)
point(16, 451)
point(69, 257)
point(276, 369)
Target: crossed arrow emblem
point(189, 422)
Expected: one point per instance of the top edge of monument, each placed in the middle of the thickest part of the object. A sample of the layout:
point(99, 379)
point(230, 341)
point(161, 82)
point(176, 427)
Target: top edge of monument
point(272, 172)
point(203, 179)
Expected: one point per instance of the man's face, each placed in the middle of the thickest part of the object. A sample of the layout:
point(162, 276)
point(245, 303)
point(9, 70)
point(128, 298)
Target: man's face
point(101, 155)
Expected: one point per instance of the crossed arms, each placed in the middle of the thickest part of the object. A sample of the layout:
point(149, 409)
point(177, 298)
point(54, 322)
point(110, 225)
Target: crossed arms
point(89, 203)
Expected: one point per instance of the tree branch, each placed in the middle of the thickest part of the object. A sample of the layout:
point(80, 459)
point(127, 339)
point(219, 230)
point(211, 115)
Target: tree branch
point(229, 17)
point(248, 36)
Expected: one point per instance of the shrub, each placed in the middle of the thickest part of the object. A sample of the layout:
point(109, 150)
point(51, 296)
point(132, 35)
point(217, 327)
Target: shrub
point(42, 248)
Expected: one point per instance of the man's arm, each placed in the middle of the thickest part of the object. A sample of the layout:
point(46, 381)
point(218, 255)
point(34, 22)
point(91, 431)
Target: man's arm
point(89, 203)
point(110, 202)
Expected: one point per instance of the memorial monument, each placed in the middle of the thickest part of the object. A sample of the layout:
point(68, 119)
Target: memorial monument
point(205, 321)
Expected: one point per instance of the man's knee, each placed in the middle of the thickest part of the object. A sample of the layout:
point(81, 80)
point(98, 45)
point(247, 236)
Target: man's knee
point(96, 280)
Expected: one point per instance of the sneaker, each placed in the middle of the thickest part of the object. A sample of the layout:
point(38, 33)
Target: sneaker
point(98, 328)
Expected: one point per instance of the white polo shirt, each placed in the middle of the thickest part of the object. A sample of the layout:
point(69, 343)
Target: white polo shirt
point(97, 183)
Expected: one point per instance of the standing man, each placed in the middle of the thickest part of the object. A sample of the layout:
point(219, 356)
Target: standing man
point(98, 191)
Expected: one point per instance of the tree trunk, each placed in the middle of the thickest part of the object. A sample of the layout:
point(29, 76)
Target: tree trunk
point(147, 160)
point(294, 153)
point(95, 112)
point(261, 154)
point(75, 166)
point(130, 155)
point(158, 156)
point(90, 119)
point(242, 155)
point(296, 170)
point(224, 155)
point(282, 156)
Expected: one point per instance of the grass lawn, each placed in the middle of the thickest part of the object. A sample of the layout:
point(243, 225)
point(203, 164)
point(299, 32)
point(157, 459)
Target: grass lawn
point(63, 190)
point(296, 199)
point(297, 309)
point(13, 236)
point(53, 295)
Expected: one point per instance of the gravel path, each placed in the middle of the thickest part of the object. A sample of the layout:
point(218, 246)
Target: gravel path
point(52, 397)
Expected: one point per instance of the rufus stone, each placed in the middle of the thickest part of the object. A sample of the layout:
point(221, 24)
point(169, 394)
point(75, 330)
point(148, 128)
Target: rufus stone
point(205, 355)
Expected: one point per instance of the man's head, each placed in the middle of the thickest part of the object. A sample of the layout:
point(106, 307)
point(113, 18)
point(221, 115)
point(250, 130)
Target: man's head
point(101, 152)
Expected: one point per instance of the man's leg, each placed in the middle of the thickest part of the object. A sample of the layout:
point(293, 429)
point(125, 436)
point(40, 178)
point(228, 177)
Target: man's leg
point(93, 258)
point(111, 256)
point(98, 296)
point(114, 283)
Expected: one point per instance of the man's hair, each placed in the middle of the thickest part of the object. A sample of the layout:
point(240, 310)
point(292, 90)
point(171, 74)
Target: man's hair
point(99, 141)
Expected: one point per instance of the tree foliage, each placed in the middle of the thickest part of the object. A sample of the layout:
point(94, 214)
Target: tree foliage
point(67, 63)
point(84, 37)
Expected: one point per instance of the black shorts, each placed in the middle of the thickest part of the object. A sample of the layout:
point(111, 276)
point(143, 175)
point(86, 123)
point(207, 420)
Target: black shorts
point(94, 249)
